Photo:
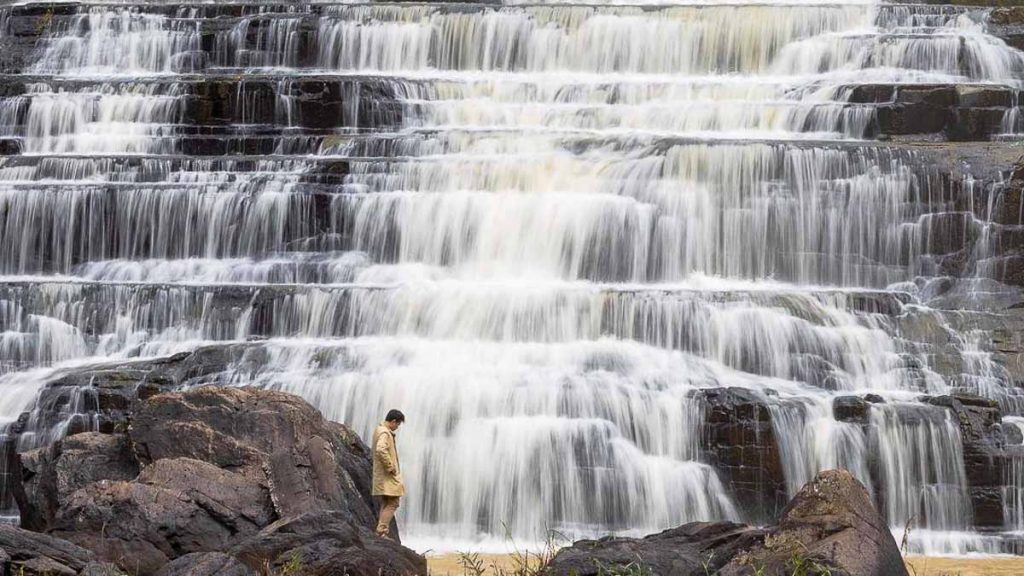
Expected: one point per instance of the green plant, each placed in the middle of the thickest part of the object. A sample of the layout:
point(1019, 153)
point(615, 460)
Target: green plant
point(804, 566)
point(293, 567)
point(631, 569)
point(526, 563)
point(905, 541)
point(706, 563)
point(44, 22)
point(471, 564)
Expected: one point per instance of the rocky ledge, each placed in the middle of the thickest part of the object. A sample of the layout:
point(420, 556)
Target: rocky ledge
point(209, 481)
point(829, 527)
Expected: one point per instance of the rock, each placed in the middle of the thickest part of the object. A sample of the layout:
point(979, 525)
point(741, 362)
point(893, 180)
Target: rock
point(871, 93)
point(137, 526)
point(1012, 434)
point(741, 445)
point(874, 399)
point(273, 438)
point(51, 474)
point(206, 564)
point(981, 433)
point(973, 96)
point(220, 465)
point(850, 409)
point(237, 501)
point(956, 112)
point(101, 397)
point(41, 567)
point(34, 552)
point(328, 543)
point(947, 232)
point(694, 549)
point(317, 103)
point(101, 569)
point(830, 526)
point(937, 95)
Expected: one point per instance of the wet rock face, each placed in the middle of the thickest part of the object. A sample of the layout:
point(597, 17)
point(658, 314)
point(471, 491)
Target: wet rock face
point(101, 398)
point(954, 113)
point(1008, 23)
point(985, 457)
point(199, 474)
point(830, 526)
point(851, 409)
point(742, 446)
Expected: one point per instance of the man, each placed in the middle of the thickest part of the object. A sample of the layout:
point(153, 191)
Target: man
point(388, 486)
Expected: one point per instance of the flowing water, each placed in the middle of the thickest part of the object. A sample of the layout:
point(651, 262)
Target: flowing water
point(537, 228)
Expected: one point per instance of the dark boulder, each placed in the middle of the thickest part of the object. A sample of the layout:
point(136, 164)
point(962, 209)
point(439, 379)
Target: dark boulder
point(101, 569)
point(1013, 434)
point(273, 438)
point(34, 553)
point(51, 474)
point(694, 549)
point(206, 564)
point(328, 544)
point(237, 501)
point(196, 474)
point(850, 409)
point(101, 398)
point(137, 526)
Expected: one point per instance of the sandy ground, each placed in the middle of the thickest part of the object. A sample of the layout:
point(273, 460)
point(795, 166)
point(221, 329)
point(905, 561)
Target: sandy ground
point(448, 565)
point(934, 566)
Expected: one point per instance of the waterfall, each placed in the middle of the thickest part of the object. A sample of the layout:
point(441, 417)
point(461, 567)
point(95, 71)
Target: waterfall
point(541, 230)
point(1013, 497)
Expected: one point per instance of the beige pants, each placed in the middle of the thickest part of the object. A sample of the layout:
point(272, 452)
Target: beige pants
point(388, 506)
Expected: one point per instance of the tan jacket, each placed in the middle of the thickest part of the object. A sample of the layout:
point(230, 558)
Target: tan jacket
point(387, 477)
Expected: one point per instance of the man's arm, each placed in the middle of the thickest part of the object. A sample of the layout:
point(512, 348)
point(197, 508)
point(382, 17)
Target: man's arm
point(384, 453)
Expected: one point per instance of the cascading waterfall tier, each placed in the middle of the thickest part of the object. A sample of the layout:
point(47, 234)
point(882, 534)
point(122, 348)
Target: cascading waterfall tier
point(550, 233)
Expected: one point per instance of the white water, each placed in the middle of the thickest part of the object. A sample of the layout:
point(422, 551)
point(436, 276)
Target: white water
point(585, 215)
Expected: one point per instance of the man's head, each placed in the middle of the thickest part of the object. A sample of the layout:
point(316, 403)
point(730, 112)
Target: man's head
point(394, 419)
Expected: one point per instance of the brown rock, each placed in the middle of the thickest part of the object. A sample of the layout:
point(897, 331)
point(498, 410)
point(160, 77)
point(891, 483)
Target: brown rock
point(984, 446)
point(137, 526)
point(742, 447)
point(832, 524)
point(850, 409)
point(328, 544)
point(101, 569)
point(32, 551)
point(206, 564)
point(274, 438)
point(694, 549)
point(237, 501)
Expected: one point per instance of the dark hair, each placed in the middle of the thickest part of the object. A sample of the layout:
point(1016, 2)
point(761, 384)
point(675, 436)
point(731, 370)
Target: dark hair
point(395, 415)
